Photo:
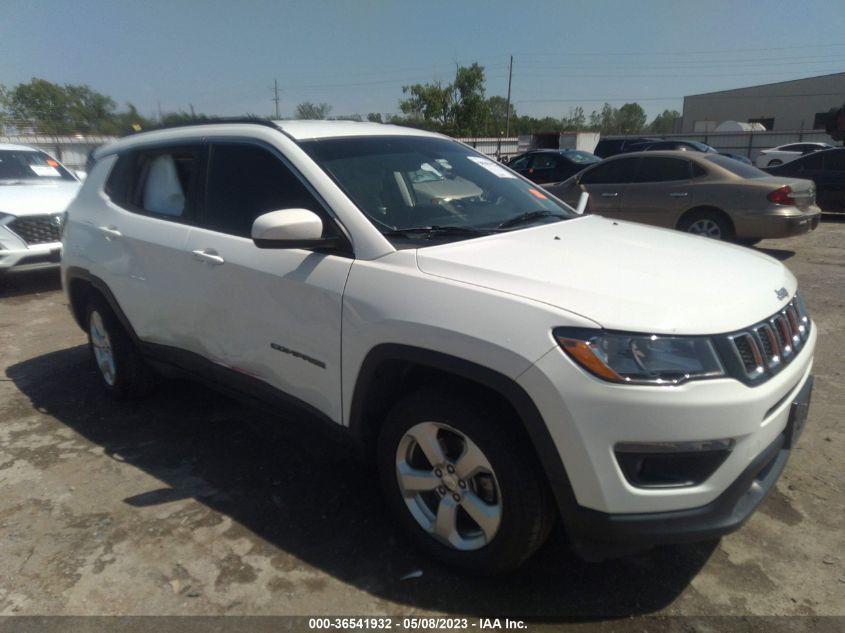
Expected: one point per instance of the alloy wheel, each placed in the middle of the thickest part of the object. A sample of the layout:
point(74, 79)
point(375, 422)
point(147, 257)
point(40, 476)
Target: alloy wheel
point(101, 345)
point(448, 486)
point(705, 227)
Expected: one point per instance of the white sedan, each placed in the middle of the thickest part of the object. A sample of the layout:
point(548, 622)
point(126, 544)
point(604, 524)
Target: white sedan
point(785, 153)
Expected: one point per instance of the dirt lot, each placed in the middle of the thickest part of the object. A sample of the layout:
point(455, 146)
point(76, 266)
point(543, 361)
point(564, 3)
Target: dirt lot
point(190, 503)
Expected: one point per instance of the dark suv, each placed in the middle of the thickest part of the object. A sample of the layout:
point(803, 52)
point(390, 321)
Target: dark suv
point(616, 145)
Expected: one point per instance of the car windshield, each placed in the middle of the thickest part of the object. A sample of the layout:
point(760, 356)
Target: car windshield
point(417, 188)
point(27, 165)
point(582, 158)
point(741, 169)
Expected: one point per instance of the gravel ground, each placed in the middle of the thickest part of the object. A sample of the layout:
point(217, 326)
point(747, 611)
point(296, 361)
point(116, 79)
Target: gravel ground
point(190, 503)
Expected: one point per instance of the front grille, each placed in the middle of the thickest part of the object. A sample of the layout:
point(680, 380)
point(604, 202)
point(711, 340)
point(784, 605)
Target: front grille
point(766, 347)
point(38, 229)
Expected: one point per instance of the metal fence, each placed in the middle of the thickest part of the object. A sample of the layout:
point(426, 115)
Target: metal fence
point(72, 151)
point(750, 143)
point(493, 146)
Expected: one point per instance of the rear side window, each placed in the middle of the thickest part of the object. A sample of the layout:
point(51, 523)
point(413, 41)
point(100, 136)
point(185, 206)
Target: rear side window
point(735, 167)
point(661, 169)
point(157, 181)
point(544, 161)
point(611, 172)
point(246, 181)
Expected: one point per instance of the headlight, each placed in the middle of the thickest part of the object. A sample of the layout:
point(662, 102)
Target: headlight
point(640, 358)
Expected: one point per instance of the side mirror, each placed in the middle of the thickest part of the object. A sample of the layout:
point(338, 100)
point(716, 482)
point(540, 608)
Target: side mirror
point(291, 228)
point(582, 203)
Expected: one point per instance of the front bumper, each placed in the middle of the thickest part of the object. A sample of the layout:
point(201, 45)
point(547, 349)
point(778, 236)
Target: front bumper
point(30, 257)
point(596, 535)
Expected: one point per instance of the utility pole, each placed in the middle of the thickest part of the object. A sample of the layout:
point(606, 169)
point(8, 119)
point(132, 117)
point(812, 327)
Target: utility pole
point(276, 96)
point(159, 111)
point(193, 114)
point(508, 107)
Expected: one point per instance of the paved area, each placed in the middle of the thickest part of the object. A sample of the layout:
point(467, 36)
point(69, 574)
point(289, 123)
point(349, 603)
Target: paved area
point(191, 503)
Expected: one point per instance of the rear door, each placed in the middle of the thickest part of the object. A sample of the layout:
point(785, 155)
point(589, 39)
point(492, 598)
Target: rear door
point(660, 191)
point(607, 183)
point(152, 198)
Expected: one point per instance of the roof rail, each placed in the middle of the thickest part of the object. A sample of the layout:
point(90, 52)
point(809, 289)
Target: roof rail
point(209, 121)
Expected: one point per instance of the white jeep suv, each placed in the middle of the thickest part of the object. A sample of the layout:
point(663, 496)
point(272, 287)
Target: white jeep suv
point(505, 361)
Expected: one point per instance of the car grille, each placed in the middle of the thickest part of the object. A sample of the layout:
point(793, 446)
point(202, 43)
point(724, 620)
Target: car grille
point(766, 347)
point(38, 229)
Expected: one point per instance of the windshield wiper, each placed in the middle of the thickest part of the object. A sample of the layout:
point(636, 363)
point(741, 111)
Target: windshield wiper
point(425, 231)
point(529, 216)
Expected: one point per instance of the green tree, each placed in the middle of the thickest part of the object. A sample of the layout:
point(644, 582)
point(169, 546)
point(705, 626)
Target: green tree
point(630, 119)
point(469, 105)
point(44, 104)
point(374, 117)
point(429, 105)
point(497, 111)
point(574, 121)
point(308, 110)
point(664, 123)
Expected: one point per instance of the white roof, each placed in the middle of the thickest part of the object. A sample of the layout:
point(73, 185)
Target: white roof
point(303, 130)
point(11, 147)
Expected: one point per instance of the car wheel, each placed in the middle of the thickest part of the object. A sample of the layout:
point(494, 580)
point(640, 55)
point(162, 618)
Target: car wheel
point(122, 371)
point(775, 163)
point(708, 224)
point(465, 486)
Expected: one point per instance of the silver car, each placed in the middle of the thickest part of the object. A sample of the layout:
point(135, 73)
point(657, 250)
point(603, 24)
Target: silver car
point(707, 194)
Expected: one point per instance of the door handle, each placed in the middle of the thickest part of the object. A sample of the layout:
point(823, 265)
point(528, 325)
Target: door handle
point(208, 255)
point(109, 232)
point(610, 194)
point(678, 194)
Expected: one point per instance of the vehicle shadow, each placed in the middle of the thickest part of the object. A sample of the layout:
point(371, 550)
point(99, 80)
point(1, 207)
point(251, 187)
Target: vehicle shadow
point(30, 282)
point(304, 492)
point(777, 253)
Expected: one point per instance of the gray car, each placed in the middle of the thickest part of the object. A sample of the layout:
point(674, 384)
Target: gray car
point(707, 194)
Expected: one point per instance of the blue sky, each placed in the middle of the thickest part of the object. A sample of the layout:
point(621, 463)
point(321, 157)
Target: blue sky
point(222, 57)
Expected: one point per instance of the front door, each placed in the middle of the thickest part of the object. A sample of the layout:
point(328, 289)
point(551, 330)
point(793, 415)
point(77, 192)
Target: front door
point(607, 183)
point(272, 314)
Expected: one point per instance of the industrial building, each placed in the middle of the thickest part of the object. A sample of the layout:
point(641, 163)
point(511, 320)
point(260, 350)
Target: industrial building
point(800, 104)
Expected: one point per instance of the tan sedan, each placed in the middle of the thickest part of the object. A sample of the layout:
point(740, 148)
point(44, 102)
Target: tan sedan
point(706, 194)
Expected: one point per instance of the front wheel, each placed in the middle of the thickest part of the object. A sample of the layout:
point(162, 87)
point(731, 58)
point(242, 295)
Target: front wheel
point(465, 486)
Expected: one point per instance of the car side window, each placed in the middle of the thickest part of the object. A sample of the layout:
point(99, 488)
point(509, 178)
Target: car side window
point(162, 181)
point(544, 161)
point(833, 161)
point(660, 169)
point(811, 162)
point(520, 163)
point(611, 172)
point(245, 181)
point(698, 171)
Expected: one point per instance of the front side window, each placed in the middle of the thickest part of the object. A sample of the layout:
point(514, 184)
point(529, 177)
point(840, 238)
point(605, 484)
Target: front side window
point(413, 187)
point(30, 165)
point(811, 162)
point(246, 181)
point(659, 169)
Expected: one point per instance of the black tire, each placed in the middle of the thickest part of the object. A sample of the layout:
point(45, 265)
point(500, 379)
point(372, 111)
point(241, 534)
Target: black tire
point(129, 377)
point(692, 220)
point(527, 512)
point(748, 241)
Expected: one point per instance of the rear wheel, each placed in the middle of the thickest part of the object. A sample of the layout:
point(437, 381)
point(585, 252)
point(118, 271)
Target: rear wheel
point(462, 483)
point(707, 223)
point(122, 371)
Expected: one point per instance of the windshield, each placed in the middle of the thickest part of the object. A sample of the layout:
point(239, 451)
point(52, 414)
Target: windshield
point(413, 182)
point(741, 169)
point(18, 165)
point(582, 158)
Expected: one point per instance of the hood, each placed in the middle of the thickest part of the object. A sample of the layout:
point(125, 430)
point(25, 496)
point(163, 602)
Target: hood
point(621, 275)
point(37, 198)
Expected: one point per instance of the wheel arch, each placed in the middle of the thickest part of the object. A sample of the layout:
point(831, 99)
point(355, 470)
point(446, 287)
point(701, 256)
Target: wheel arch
point(81, 285)
point(391, 370)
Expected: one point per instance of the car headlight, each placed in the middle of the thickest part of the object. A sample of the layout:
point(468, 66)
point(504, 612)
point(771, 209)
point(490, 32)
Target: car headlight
point(640, 358)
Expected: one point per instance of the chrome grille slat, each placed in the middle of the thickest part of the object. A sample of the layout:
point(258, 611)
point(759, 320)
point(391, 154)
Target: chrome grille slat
point(766, 347)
